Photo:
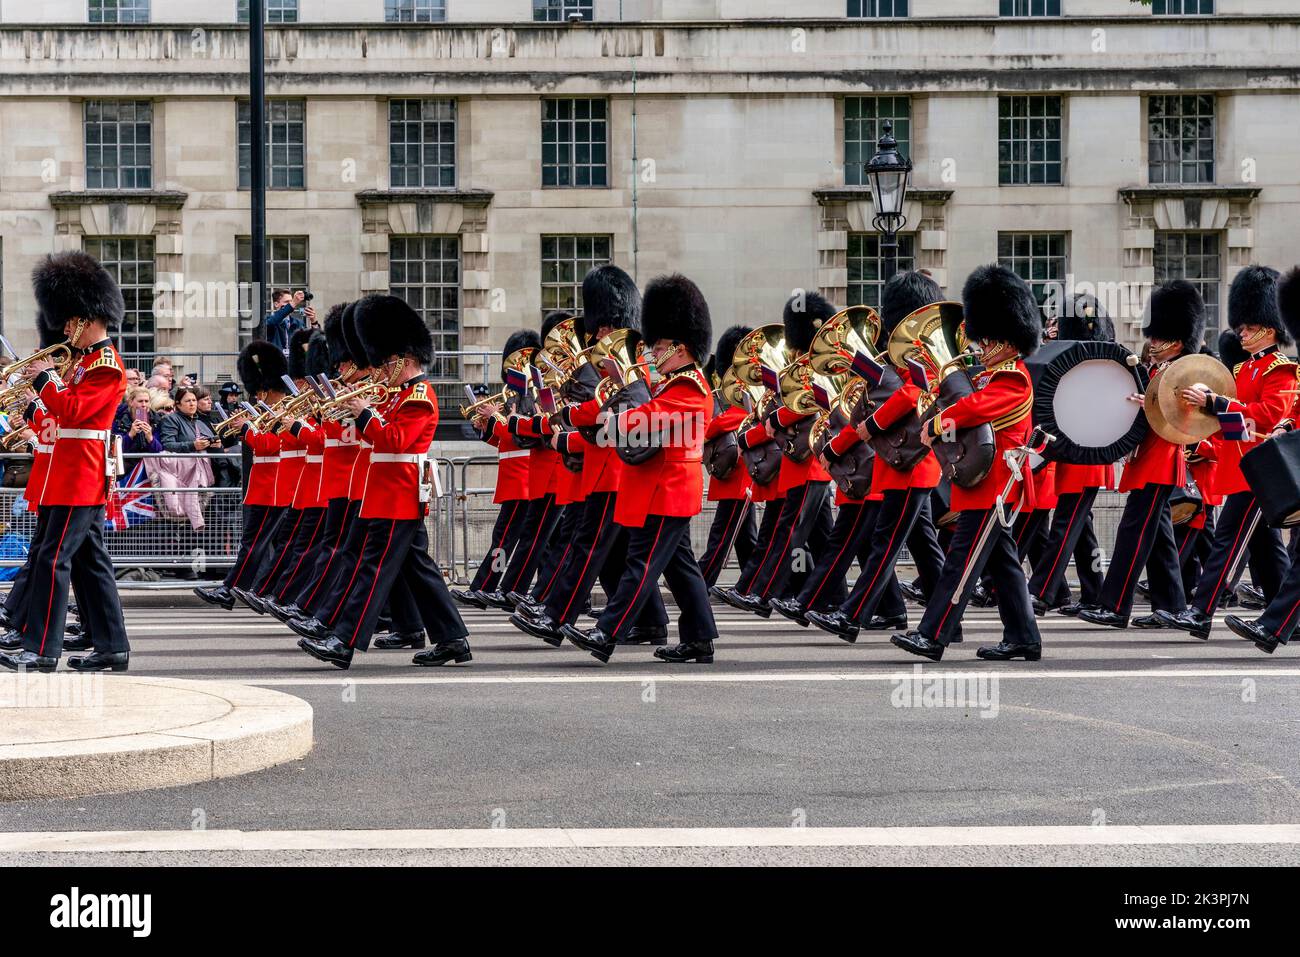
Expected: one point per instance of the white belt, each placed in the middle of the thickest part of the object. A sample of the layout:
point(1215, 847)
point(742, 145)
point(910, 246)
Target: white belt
point(265, 459)
point(93, 435)
point(366, 445)
point(315, 459)
point(47, 449)
point(293, 455)
point(522, 453)
point(405, 459)
point(338, 443)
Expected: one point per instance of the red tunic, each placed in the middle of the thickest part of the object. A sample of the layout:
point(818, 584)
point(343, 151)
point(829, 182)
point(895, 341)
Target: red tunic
point(262, 476)
point(341, 446)
point(308, 493)
point(1004, 396)
point(1262, 382)
point(84, 409)
point(293, 459)
point(884, 477)
point(601, 466)
point(512, 465)
point(568, 488)
point(671, 483)
point(43, 428)
point(1156, 461)
point(738, 483)
point(401, 436)
point(1073, 479)
point(794, 474)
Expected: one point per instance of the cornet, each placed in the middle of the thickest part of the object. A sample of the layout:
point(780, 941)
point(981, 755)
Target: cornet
point(60, 354)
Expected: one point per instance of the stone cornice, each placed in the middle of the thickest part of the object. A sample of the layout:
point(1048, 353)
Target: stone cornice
point(478, 198)
point(849, 194)
point(1140, 194)
point(142, 197)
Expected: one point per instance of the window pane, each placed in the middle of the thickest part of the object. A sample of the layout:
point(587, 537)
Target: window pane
point(574, 151)
point(1029, 150)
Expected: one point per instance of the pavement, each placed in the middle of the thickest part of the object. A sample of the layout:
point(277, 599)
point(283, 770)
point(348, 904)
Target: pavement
point(805, 748)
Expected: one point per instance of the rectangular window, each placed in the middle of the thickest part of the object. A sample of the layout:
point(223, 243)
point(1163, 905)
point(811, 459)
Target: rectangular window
point(285, 144)
point(1040, 259)
point(277, 11)
point(863, 118)
point(422, 144)
point(1180, 138)
point(560, 11)
point(131, 262)
point(566, 260)
point(1029, 8)
point(119, 11)
point(575, 137)
point(1029, 140)
point(425, 272)
point(1196, 258)
point(415, 11)
point(867, 266)
point(119, 144)
point(286, 268)
point(877, 8)
point(1182, 7)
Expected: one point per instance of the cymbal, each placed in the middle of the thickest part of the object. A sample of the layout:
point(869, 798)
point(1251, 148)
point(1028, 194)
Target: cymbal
point(1169, 414)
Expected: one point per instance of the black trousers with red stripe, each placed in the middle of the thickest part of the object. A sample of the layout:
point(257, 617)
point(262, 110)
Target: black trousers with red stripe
point(661, 547)
point(733, 521)
point(396, 549)
point(258, 523)
point(72, 553)
point(850, 538)
point(538, 526)
point(763, 545)
point(596, 540)
point(1283, 612)
point(1194, 546)
point(1145, 537)
point(18, 590)
point(1268, 559)
point(339, 513)
point(801, 534)
point(1070, 535)
point(998, 557)
point(557, 550)
point(330, 593)
point(505, 534)
point(903, 516)
point(307, 533)
point(275, 550)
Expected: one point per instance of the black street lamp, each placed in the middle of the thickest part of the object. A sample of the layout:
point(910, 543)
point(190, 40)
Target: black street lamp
point(889, 173)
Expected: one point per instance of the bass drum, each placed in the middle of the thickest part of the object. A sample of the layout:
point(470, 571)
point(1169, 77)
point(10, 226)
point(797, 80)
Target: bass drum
point(1081, 397)
point(1272, 470)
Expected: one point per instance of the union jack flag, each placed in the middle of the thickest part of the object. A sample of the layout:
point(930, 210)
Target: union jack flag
point(131, 503)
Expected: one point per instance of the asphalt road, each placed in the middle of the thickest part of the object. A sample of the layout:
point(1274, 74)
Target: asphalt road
point(790, 727)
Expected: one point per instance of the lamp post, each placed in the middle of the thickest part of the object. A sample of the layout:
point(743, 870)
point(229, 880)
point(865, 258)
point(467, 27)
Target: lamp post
point(257, 158)
point(889, 174)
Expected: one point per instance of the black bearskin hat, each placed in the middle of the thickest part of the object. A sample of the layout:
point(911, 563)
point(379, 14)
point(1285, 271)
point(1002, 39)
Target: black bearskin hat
point(334, 337)
point(804, 314)
point(1176, 314)
point(319, 360)
point(348, 325)
point(1085, 320)
point(999, 306)
point(388, 327)
point(609, 298)
point(260, 367)
point(674, 308)
point(727, 346)
point(1231, 352)
point(905, 293)
point(298, 344)
point(46, 336)
point(1253, 301)
point(552, 320)
point(1288, 301)
point(73, 285)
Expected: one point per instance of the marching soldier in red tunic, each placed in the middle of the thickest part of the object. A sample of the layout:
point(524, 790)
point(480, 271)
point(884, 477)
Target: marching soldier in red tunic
point(661, 495)
point(1266, 386)
point(78, 295)
point(396, 497)
point(1145, 536)
point(1002, 316)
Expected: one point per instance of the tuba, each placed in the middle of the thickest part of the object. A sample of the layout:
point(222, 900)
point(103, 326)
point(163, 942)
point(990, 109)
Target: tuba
point(852, 471)
point(622, 348)
point(935, 337)
point(567, 356)
point(802, 392)
point(842, 337)
point(764, 347)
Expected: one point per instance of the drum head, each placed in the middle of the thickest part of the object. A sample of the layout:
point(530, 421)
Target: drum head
point(1081, 398)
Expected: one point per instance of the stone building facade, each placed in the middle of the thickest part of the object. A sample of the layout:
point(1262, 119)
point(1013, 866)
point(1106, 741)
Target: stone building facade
point(476, 160)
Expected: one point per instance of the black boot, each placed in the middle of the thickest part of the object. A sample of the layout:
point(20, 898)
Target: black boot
point(249, 599)
point(1251, 631)
point(1004, 651)
point(1251, 597)
point(1191, 620)
point(498, 599)
point(101, 661)
point(28, 661)
point(917, 644)
point(700, 652)
point(397, 640)
point(595, 641)
point(1149, 623)
point(331, 651)
point(312, 629)
point(1071, 610)
point(912, 591)
point(456, 650)
point(881, 623)
point(837, 623)
point(77, 643)
point(474, 599)
point(221, 596)
point(542, 628)
point(646, 635)
point(1104, 617)
point(11, 640)
point(790, 608)
point(759, 606)
point(735, 599)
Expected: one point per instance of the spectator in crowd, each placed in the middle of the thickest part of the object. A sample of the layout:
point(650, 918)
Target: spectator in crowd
point(137, 424)
point(283, 321)
point(158, 384)
point(160, 401)
point(231, 395)
point(184, 434)
point(134, 378)
point(225, 469)
point(163, 370)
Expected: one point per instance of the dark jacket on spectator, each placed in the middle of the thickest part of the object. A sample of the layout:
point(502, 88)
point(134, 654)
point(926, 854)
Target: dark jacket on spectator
point(281, 325)
point(179, 432)
point(134, 444)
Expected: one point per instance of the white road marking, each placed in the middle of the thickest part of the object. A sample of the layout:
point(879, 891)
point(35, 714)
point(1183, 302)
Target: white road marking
point(508, 838)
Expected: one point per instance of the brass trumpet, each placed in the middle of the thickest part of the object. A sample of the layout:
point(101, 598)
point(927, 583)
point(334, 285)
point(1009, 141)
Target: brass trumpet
point(336, 407)
point(472, 410)
point(60, 354)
